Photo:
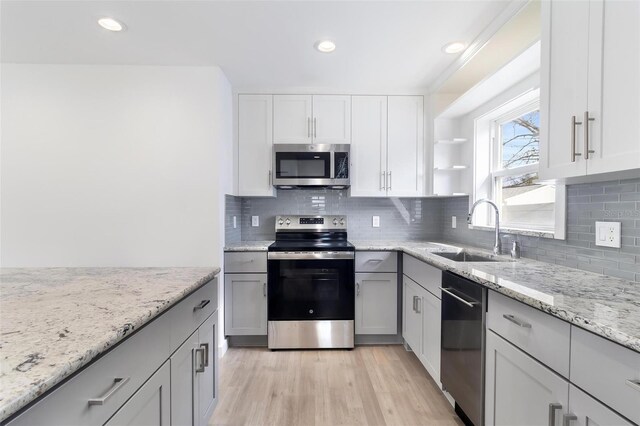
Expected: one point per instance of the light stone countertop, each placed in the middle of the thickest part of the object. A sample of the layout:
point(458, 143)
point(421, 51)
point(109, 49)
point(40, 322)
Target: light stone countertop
point(53, 321)
point(607, 306)
point(248, 246)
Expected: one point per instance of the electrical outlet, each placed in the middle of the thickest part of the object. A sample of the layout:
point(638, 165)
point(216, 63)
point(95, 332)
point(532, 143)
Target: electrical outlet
point(376, 222)
point(453, 222)
point(255, 221)
point(608, 234)
point(235, 222)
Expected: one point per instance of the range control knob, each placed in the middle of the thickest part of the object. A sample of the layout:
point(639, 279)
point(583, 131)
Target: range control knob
point(342, 221)
point(288, 221)
point(335, 221)
point(280, 222)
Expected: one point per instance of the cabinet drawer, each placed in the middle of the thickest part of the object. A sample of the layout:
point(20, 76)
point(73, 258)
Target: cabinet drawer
point(607, 371)
point(133, 362)
point(245, 262)
point(542, 336)
point(376, 261)
point(424, 274)
point(192, 311)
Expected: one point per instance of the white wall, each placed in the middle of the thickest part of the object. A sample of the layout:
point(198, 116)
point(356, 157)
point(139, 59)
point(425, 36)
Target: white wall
point(114, 165)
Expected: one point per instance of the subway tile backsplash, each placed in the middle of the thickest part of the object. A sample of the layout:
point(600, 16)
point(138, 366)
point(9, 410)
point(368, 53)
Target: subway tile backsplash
point(430, 219)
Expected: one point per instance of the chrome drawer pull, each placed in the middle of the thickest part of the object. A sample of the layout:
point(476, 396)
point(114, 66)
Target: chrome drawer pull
point(201, 368)
point(375, 260)
point(201, 305)
point(516, 321)
point(118, 382)
point(552, 412)
point(634, 384)
point(568, 418)
point(469, 304)
point(205, 356)
point(357, 288)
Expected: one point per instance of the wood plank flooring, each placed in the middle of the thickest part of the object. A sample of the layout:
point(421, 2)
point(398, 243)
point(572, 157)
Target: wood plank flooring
point(370, 385)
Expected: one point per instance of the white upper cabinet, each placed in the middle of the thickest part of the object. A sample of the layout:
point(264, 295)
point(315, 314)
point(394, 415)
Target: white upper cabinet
point(311, 119)
point(292, 118)
point(368, 146)
point(590, 88)
point(331, 119)
point(255, 136)
point(405, 141)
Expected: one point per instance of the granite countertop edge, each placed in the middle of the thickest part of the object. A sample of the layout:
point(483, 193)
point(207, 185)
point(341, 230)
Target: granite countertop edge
point(8, 408)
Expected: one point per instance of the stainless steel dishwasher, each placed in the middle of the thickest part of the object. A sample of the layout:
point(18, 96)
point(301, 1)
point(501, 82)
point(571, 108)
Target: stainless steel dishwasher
point(462, 345)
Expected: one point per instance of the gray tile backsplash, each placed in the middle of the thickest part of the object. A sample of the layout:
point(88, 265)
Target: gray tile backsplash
point(430, 219)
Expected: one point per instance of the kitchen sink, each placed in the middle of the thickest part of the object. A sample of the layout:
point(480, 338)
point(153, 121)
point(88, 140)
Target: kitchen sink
point(463, 256)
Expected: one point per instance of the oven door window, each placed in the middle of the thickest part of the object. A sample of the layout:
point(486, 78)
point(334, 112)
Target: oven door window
point(303, 165)
point(311, 290)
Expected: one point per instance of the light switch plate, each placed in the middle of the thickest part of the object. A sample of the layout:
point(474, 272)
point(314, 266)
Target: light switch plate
point(376, 222)
point(608, 234)
point(453, 222)
point(255, 221)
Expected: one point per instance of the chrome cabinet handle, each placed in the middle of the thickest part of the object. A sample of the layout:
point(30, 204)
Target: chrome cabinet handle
point(264, 289)
point(418, 303)
point(469, 304)
point(205, 356)
point(552, 412)
point(389, 188)
point(315, 127)
point(118, 382)
point(568, 418)
point(200, 369)
point(586, 121)
point(201, 305)
point(382, 181)
point(516, 321)
point(270, 179)
point(375, 260)
point(357, 289)
point(308, 127)
point(414, 303)
point(574, 123)
point(634, 383)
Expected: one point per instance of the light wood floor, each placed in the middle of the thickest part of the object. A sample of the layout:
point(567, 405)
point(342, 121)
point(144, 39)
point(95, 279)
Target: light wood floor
point(371, 385)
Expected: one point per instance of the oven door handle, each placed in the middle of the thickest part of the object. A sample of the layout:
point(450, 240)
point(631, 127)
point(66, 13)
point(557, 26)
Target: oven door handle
point(311, 255)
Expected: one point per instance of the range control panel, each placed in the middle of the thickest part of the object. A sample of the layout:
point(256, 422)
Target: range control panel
point(311, 223)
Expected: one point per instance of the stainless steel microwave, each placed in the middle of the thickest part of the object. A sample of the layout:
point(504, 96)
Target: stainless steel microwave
point(310, 165)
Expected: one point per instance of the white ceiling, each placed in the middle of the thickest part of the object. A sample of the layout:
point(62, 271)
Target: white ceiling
point(264, 45)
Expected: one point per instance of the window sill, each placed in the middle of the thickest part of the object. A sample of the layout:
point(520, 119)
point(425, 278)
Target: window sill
point(526, 232)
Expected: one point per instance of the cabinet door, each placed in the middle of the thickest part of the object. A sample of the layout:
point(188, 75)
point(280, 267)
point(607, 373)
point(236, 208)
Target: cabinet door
point(614, 86)
point(519, 390)
point(563, 86)
point(429, 307)
point(245, 302)
point(150, 405)
point(182, 382)
point(292, 119)
point(255, 136)
point(590, 412)
point(405, 146)
point(207, 373)
point(376, 303)
point(368, 146)
point(331, 119)
point(411, 318)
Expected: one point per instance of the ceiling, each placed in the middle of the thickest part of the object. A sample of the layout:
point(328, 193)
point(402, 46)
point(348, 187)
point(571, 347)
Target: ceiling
point(390, 46)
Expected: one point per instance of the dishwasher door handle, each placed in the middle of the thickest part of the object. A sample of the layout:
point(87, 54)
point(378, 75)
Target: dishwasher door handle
point(466, 302)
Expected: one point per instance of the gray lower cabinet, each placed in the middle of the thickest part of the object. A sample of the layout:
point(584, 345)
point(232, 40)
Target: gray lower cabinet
point(183, 374)
point(376, 306)
point(149, 406)
point(520, 390)
point(411, 316)
point(587, 411)
point(429, 354)
point(245, 302)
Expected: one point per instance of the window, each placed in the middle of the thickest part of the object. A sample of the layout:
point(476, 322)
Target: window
point(524, 202)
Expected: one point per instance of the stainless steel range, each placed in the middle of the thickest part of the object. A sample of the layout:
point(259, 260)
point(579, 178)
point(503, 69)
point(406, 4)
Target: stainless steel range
point(311, 284)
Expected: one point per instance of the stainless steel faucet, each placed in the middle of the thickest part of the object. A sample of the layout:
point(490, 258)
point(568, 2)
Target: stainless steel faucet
point(497, 249)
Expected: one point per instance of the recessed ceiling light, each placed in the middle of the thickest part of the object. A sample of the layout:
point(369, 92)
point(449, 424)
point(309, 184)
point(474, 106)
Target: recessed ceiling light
point(326, 46)
point(455, 47)
point(110, 24)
